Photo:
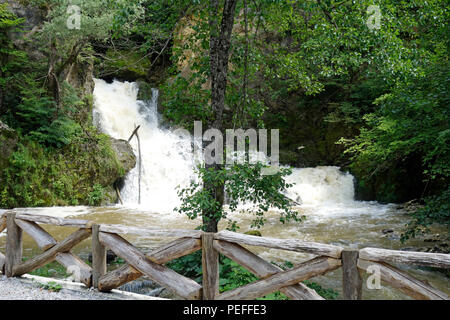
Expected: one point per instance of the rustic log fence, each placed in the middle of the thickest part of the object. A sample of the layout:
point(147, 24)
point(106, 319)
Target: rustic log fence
point(271, 277)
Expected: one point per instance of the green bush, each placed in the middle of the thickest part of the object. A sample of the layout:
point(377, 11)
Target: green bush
point(96, 196)
point(436, 210)
point(51, 270)
point(232, 275)
point(74, 175)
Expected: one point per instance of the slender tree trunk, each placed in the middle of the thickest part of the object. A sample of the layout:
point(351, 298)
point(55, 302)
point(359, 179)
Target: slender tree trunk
point(220, 43)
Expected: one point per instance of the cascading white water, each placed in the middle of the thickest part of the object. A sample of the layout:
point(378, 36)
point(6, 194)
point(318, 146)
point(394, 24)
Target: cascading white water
point(167, 158)
point(321, 186)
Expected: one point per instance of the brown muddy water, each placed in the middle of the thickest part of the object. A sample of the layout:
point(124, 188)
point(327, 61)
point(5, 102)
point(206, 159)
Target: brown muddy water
point(355, 225)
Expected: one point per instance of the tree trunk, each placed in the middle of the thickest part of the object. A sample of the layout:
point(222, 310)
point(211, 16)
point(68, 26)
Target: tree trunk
point(220, 43)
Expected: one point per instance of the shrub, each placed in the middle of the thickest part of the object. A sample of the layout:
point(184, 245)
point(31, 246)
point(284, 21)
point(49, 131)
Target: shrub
point(232, 275)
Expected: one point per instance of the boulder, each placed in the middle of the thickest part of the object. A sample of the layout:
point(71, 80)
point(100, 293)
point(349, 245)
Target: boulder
point(124, 153)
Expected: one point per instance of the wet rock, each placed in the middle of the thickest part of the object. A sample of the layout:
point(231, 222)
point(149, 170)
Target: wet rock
point(155, 292)
point(254, 233)
point(433, 238)
point(442, 248)
point(392, 236)
point(110, 256)
point(124, 153)
point(169, 295)
point(410, 206)
point(386, 231)
point(142, 286)
point(110, 197)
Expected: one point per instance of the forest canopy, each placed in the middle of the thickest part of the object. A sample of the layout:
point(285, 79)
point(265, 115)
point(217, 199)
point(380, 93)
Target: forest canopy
point(362, 84)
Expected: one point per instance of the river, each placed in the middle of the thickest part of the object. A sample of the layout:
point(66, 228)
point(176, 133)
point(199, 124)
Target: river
point(333, 216)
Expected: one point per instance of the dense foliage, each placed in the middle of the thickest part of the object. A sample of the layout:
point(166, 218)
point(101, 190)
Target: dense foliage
point(60, 158)
point(382, 91)
point(317, 70)
point(37, 176)
point(244, 183)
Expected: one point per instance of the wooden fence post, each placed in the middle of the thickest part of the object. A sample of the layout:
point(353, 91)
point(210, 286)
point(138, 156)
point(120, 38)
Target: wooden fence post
point(210, 266)
point(13, 244)
point(351, 279)
point(98, 256)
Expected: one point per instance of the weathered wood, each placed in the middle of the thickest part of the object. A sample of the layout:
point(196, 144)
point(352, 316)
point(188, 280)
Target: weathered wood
point(43, 239)
point(263, 269)
point(126, 273)
point(351, 279)
point(118, 277)
point(2, 263)
point(134, 132)
point(119, 195)
point(55, 220)
point(284, 244)
point(439, 260)
point(139, 166)
point(98, 256)
point(401, 280)
point(150, 233)
point(50, 254)
point(79, 269)
point(174, 249)
point(2, 223)
point(182, 286)
point(13, 244)
point(210, 267)
point(302, 272)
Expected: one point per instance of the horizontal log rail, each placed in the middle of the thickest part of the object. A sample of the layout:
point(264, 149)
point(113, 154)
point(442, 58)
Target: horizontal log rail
point(56, 221)
point(284, 244)
point(150, 233)
point(230, 244)
point(401, 280)
point(437, 260)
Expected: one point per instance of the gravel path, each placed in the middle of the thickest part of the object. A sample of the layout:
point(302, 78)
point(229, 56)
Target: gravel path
point(29, 287)
point(17, 289)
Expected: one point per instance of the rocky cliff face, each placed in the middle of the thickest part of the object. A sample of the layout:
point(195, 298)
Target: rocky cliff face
point(113, 158)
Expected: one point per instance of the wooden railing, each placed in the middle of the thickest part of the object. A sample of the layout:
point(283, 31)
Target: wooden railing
point(271, 277)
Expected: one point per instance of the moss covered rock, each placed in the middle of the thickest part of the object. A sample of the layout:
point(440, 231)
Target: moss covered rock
point(82, 173)
point(124, 154)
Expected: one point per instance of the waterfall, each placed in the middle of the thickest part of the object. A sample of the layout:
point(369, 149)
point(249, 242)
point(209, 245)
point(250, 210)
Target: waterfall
point(167, 160)
point(321, 186)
